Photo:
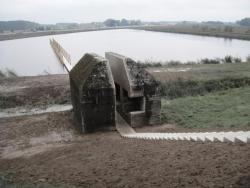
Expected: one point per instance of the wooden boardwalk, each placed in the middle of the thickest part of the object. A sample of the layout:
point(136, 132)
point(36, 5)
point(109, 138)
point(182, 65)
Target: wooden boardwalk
point(62, 55)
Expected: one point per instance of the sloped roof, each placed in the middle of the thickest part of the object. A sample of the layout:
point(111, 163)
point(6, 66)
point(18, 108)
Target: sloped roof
point(130, 75)
point(92, 65)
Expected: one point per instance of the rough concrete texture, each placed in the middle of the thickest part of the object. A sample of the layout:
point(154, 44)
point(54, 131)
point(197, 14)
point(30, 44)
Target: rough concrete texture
point(137, 92)
point(93, 93)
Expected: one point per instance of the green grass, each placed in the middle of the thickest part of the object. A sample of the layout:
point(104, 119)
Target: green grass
point(200, 79)
point(202, 72)
point(219, 71)
point(182, 88)
point(225, 109)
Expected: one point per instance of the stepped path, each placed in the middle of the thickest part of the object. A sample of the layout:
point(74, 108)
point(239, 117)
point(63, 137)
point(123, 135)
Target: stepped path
point(128, 132)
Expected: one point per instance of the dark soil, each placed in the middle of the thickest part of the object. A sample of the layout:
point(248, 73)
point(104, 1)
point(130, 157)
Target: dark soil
point(107, 160)
point(34, 91)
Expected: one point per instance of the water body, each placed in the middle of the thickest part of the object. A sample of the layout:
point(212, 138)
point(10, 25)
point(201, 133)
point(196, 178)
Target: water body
point(34, 56)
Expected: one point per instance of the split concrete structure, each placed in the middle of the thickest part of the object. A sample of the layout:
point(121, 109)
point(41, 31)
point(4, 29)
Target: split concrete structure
point(96, 92)
point(101, 86)
point(93, 93)
point(137, 92)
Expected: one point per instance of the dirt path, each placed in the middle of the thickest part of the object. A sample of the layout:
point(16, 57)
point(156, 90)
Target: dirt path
point(46, 148)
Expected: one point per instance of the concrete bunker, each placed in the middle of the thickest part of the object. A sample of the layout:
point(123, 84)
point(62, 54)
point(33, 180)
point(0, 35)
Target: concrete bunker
point(100, 87)
point(93, 93)
point(137, 92)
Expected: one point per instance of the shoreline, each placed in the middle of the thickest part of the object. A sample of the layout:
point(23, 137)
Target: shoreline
point(187, 31)
point(163, 29)
point(4, 37)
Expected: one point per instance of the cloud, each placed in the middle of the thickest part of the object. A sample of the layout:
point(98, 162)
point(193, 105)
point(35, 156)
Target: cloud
point(52, 11)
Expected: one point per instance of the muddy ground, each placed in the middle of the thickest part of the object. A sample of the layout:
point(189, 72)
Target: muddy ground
point(46, 148)
point(34, 91)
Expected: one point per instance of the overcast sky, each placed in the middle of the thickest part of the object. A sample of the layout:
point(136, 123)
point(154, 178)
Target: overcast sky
point(53, 11)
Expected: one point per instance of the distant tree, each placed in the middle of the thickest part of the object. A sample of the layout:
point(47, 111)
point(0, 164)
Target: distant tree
point(228, 29)
point(228, 59)
point(40, 28)
point(237, 59)
point(248, 58)
point(124, 22)
point(17, 25)
point(244, 22)
point(216, 23)
point(111, 23)
point(72, 26)
point(135, 22)
point(204, 28)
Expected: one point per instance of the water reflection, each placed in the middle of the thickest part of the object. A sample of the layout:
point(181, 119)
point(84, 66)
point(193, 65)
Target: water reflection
point(34, 56)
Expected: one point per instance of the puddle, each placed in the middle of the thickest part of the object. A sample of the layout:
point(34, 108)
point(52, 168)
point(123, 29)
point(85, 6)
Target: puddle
point(20, 111)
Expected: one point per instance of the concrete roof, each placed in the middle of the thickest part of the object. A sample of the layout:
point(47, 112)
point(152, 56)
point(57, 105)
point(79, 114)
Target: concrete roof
point(94, 69)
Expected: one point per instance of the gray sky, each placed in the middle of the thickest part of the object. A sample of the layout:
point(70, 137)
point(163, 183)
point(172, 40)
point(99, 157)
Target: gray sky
point(52, 11)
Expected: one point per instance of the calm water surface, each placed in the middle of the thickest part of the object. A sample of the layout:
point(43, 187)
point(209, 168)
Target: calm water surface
point(34, 56)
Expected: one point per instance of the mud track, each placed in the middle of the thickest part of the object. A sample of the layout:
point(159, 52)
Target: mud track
point(46, 148)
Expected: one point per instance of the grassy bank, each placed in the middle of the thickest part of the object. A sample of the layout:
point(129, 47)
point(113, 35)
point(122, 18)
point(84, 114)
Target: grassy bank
point(200, 79)
point(225, 109)
point(234, 32)
point(182, 88)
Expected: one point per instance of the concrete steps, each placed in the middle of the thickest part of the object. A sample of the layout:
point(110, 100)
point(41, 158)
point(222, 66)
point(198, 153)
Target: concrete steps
point(239, 136)
point(128, 132)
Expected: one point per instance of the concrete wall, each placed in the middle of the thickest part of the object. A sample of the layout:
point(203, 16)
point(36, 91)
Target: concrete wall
point(93, 94)
point(139, 98)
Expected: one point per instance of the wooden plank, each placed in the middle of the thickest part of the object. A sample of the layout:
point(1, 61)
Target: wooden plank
point(63, 55)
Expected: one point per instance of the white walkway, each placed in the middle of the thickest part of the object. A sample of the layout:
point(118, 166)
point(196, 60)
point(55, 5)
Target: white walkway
point(126, 131)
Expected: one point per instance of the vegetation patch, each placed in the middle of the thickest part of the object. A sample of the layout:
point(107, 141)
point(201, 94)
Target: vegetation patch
point(226, 59)
point(200, 79)
point(8, 73)
point(225, 109)
point(182, 88)
point(203, 29)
